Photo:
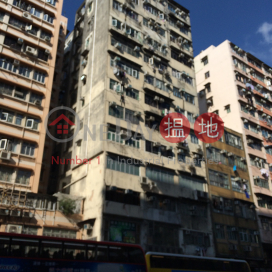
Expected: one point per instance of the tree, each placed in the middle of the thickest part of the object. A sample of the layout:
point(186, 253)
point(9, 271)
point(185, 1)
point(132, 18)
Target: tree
point(67, 206)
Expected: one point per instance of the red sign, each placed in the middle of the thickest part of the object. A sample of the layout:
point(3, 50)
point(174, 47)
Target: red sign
point(175, 127)
point(209, 127)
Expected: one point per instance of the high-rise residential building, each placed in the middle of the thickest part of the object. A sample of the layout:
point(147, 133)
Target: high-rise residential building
point(236, 230)
point(128, 63)
point(31, 44)
point(237, 86)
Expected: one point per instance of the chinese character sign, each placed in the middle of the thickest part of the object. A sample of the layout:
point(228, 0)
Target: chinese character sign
point(209, 127)
point(175, 127)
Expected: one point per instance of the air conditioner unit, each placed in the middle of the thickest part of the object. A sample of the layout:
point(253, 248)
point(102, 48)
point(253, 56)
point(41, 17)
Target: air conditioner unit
point(137, 49)
point(28, 28)
point(16, 62)
point(123, 133)
point(146, 37)
point(177, 10)
point(143, 181)
point(14, 229)
point(87, 226)
point(47, 52)
point(237, 179)
point(5, 155)
point(156, 58)
point(156, 98)
point(179, 39)
point(181, 55)
point(263, 115)
point(84, 63)
point(20, 41)
point(157, 144)
point(128, 192)
point(151, 61)
point(151, 118)
point(137, 114)
point(117, 59)
point(113, 104)
point(27, 15)
point(30, 50)
point(118, 45)
point(83, 77)
point(47, 38)
point(15, 213)
point(37, 102)
point(208, 145)
point(167, 84)
point(223, 151)
point(180, 24)
point(209, 102)
point(230, 154)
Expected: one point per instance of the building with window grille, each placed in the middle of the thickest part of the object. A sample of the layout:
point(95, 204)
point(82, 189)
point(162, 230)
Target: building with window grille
point(130, 63)
point(236, 231)
point(237, 86)
point(32, 42)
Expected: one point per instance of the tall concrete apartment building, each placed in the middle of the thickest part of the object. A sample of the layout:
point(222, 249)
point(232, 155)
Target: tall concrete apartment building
point(31, 43)
point(129, 63)
point(236, 230)
point(237, 86)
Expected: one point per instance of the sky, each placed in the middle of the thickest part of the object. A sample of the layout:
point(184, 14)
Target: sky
point(246, 23)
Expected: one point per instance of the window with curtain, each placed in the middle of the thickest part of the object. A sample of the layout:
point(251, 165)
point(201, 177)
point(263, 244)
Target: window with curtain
point(6, 173)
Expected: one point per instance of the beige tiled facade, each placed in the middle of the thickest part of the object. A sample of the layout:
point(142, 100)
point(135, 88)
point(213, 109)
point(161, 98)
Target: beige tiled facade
point(237, 86)
point(127, 62)
point(31, 44)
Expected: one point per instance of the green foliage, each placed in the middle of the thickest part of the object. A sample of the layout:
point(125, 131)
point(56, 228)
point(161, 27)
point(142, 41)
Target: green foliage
point(67, 206)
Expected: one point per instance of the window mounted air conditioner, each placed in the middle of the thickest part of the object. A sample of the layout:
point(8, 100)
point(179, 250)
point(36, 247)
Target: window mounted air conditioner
point(14, 229)
point(137, 114)
point(151, 118)
point(156, 98)
point(117, 59)
point(83, 77)
point(123, 133)
point(30, 50)
point(27, 15)
point(16, 62)
point(113, 104)
point(37, 102)
point(223, 151)
point(143, 181)
point(128, 192)
point(230, 154)
point(5, 155)
point(20, 41)
point(47, 38)
point(180, 24)
point(29, 123)
point(157, 144)
point(28, 28)
point(118, 45)
point(47, 52)
point(180, 39)
point(137, 49)
point(181, 55)
point(84, 63)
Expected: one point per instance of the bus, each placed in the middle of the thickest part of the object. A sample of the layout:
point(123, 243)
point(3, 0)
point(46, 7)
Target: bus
point(29, 253)
point(164, 262)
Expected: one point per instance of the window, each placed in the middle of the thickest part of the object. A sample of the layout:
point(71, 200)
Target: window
point(151, 147)
point(238, 185)
point(28, 149)
point(238, 162)
point(53, 232)
point(192, 182)
point(243, 234)
point(6, 173)
point(219, 179)
point(233, 140)
point(207, 75)
point(219, 231)
point(194, 139)
point(190, 117)
point(160, 174)
point(261, 183)
point(7, 116)
point(126, 68)
point(222, 205)
point(39, 76)
point(35, 97)
point(123, 165)
point(177, 92)
point(227, 108)
point(2, 15)
point(42, 54)
point(45, 34)
point(30, 230)
point(216, 156)
point(12, 42)
point(24, 71)
point(196, 238)
point(130, 117)
point(127, 47)
point(205, 60)
point(120, 196)
point(189, 98)
point(232, 233)
point(90, 8)
point(23, 177)
point(117, 112)
point(48, 18)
